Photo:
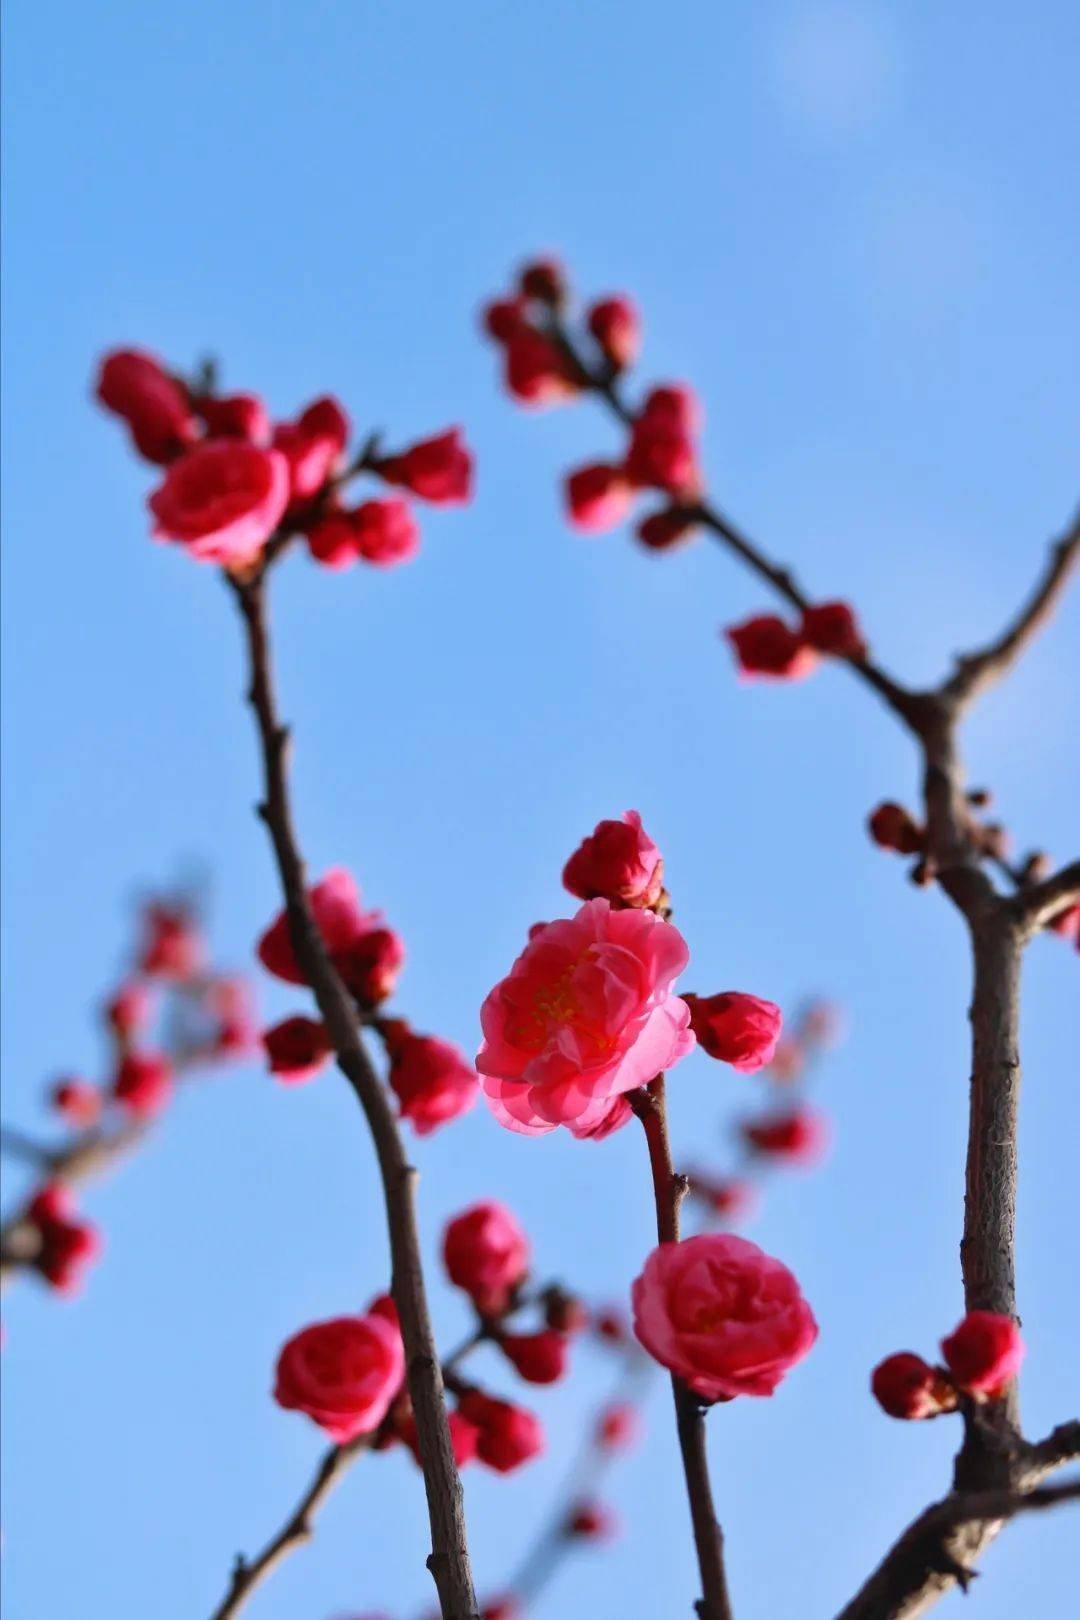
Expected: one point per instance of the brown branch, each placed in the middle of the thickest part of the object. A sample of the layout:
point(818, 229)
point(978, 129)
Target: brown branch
point(1039, 903)
point(979, 670)
point(998, 929)
point(449, 1558)
point(297, 1529)
point(669, 1190)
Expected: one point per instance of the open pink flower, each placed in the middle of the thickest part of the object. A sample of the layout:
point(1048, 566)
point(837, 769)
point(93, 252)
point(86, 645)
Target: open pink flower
point(343, 1373)
point(366, 953)
point(585, 1014)
point(222, 500)
point(722, 1315)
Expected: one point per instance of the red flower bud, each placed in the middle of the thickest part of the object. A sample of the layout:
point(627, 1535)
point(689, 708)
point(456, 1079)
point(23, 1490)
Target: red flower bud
point(616, 326)
point(663, 530)
point(618, 1427)
point(619, 862)
point(892, 828)
point(172, 947)
point(674, 406)
point(563, 1312)
point(597, 496)
point(592, 1521)
point(766, 647)
point(735, 1028)
point(537, 373)
point(539, 1358)
point(431, 1080)
point(800, 1137)
point(832, 628)
point(503, 317)
point(544, 280)
point(662, 457)
point(143, 1084)
point(905, 1386)
point(487, 1254)
point(77, 1102)
point(984, 1352)
point(439, 469)
point(236, 416)
point(343, 1374)
point(135, 386)
point(67, 1245)
point(508, 1435)
point(298, 1049)
point(128, 1009)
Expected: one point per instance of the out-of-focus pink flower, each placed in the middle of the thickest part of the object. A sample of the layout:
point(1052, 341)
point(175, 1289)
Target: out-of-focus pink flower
point(136, 386)
point(67, 1245)
point(662, 530)
point(766, 647)
point(798, 1137)
point(722, 1315)
point(539, 1358)
point(77, 1102)
point(736, 1028)
point(536, 372)
point(616, 326)
point(586, 1014)
point(619, 1427)
point(439, 470)
point(618, 861)
point(832, 628)
point(429, 1077)
point(236, 416)
point(128, 1009)
point(172, 945)
point(222, 501)
point(507, 1435)
point(597, 496)
point(486, 1253)
point(297, 1049)
point(545, 281)
point(366, 953)
point(143, 1084)
point(592, 1521)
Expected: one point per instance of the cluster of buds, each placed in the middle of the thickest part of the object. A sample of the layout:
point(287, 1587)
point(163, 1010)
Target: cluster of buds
point(347, 1374)
point(543, 365)
point(981, 1357)
point(200, 1017)
point(235, 479)
point(767, 647)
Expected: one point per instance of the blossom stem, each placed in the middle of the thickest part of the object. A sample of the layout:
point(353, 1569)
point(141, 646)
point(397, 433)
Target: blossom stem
point(449, 1558)
point(669, 1190)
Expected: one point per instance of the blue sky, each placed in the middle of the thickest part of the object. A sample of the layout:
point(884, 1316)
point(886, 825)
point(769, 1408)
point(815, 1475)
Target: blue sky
point(854, 226)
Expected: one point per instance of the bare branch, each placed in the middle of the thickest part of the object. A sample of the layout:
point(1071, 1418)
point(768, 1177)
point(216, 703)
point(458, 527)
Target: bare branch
point(982, 669)
point(449, 1559)
point(297, 1529)
point(1039, 903)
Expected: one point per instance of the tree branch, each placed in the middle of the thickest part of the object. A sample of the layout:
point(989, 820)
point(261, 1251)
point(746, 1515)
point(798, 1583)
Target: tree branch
point(669, 1191)
point(449, 1559)
point(978, 671)
point(998, 928)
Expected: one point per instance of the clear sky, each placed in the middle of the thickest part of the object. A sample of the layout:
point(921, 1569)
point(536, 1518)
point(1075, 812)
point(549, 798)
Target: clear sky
point(856, 228)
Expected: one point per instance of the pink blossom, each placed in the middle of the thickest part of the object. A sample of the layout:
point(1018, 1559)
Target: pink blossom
point(222, 501)
point(722, 1315)
point(585, 1015)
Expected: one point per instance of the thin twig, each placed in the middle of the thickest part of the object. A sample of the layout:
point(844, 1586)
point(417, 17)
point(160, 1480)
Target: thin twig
point(669, 1190)
point(449, 1558)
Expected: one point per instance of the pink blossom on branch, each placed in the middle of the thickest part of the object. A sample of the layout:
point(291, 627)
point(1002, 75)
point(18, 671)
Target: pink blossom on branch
point(67, 1245)
point(618, 862)
point(722, 1315)
point(222, 501)
point(136, 386)
point(342, 1373)
point(586, 1014)
point(297, 1049)
point(429, 1077)
point(486, 1253)
point(736, 1028)
point(905, 1386)
point(439, 469)
point(366, 953)
point(984, 1352)
point(797, 1137)
point(143, 1084)
point(507, 1435)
